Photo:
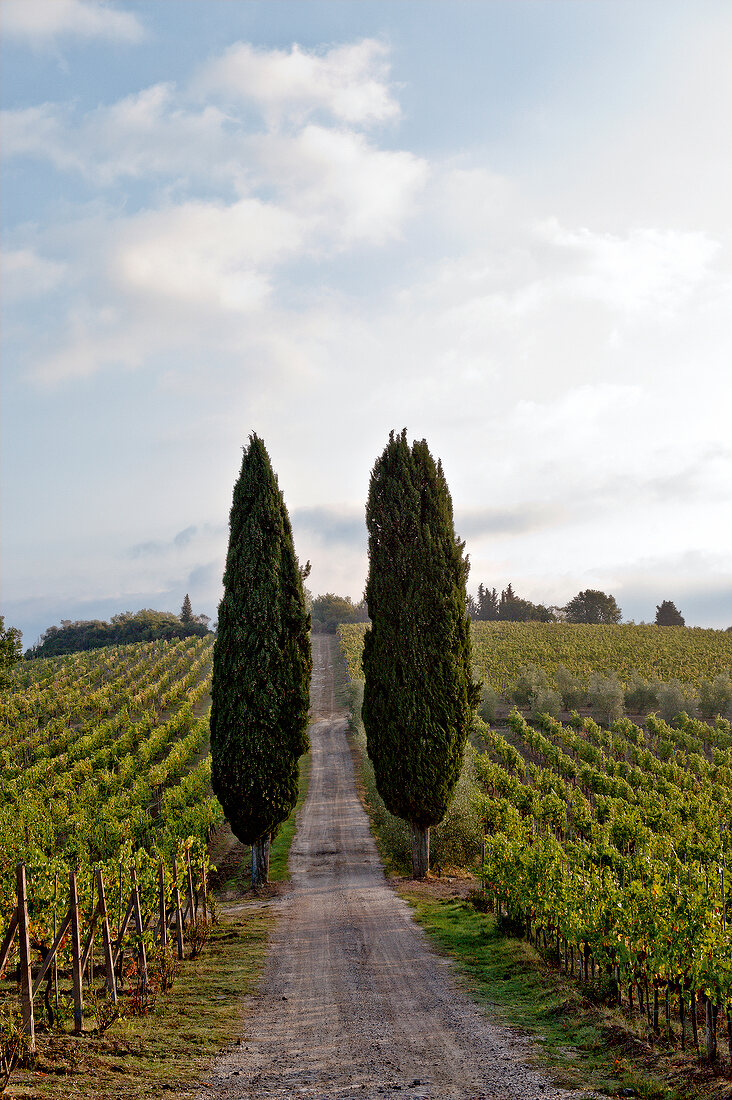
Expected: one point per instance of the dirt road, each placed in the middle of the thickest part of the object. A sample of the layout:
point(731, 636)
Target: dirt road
point(354, 1003)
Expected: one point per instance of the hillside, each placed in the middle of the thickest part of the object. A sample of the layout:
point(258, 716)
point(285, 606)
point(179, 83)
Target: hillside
point(103, 752)
point(608, 845)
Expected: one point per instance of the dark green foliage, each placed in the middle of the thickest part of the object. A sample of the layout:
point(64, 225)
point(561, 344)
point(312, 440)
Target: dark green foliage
point(123, 629)
point(262, 663)
point(510, 608)
point(11, 649)
point(419, 693)
point(329, 610)
point(667, 614)
point(716, 697)
point(484, 608)
point(641, 696)
point(593, 606)
point(531, 679)
point(186, 611)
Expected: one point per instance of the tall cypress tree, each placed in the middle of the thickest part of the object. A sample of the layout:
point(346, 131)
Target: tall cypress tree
point(261, 666)
point(419, 692)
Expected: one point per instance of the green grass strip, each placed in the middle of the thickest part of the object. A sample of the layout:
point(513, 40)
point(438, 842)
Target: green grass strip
point(518, 988)
point(279, 852)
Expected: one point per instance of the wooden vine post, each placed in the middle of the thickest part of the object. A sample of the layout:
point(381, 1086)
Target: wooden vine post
point(162, 908)
point(107, 938)
point(26, 977)
point(178, 914)
point(76, 954)
point(191, 900)
point(204, 892)
point(139, 927)
point(82, 952)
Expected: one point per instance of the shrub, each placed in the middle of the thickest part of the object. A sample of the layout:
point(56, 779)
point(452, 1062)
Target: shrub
point(13, 1044)
point(488, 701)
point(606, 698)
point(480, 900)
point(546, 701)
point(641, 696)
point(573, 692)
point(457, 840)
point(531, 679)
point(197, 936)
point(715, 698)
point(671, 699)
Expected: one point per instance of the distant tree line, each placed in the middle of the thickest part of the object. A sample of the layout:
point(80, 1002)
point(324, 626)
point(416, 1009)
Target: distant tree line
point(141, 626)
point(590, 606)
point(329, 610)
point(488, 606)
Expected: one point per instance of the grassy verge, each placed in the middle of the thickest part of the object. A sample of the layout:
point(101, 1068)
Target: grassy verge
point(167, 1051)
point(280, 848)
point(585, 1044)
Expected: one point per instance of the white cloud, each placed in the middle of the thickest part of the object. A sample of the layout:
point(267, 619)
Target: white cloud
point(42, 20)
point(206, 254)
point(94, 339)
point(37, 131)
point(147, 134)
point(348, 82)
point(355, 191)
point(644, 268)
point(25, 274)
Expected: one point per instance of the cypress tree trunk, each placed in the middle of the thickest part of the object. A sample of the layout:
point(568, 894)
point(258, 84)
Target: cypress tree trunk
point(420, 850)
point(260, 860)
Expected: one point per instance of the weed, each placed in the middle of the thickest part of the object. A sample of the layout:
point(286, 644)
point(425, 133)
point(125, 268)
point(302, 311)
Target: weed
point(106, 1012)
point(197, 937)
point(13, 1044)
point(142, 992)
point(163, 967)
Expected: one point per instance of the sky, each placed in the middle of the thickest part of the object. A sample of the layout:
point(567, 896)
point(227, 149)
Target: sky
point(502, 224)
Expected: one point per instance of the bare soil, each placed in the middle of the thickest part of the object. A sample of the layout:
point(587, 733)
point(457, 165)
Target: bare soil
point(354, 1001)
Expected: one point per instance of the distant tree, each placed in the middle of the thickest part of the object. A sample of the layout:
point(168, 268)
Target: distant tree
point(11, 647)
point(668, 615)
point(330, 610)
point(261, 668)
point(487, 607)
point(419, 693)
point(186, 611)
point(487, 604)
point(508, 596)
point(592, 606)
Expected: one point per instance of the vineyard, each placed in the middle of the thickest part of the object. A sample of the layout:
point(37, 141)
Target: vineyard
point(501, 650)
point(105, 778)
point(611, 845)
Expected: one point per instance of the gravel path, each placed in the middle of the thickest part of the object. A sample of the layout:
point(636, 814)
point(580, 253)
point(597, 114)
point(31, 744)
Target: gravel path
point(355, 1005)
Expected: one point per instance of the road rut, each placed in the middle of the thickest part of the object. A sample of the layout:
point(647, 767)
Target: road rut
point(355, 1005)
